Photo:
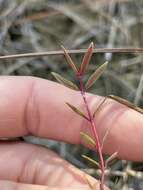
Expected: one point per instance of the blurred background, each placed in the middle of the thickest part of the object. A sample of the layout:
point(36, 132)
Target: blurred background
point(43, 25)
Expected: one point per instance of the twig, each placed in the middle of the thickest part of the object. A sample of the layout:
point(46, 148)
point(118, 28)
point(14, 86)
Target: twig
point(78, 51)
point(93, 128)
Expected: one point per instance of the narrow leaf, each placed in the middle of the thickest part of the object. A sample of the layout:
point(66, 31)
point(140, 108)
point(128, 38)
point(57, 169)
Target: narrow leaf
point(91, 186)
point(64, 81)
point(69, 60)
point(76, 110)
point(88, 139)
point(99, 107)
point(126, 103)
point(86, 59)
point(91, 160)
point(96, 75)
point(111, 158)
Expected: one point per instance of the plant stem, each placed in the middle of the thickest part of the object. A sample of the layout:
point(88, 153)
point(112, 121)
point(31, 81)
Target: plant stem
point(74, 51)
point(94, 131)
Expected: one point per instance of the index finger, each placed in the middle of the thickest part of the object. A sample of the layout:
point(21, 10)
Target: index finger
point(36, 106)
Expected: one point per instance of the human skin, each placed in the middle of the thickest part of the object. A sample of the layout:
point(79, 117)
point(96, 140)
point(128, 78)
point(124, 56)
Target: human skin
point(34, 106)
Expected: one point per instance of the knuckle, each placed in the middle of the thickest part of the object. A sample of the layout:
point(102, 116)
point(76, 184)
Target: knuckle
point(31, 111)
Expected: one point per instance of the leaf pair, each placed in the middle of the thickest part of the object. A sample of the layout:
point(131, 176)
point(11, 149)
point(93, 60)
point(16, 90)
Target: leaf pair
point(92, 79)
point(85, 60)
point(89, 141)
point(126, 103)
point(111, 158)
point(120, 100)
point(107, 162)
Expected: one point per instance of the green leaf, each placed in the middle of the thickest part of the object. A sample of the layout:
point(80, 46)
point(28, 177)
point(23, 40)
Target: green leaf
point(126, 103)
point(91, 160)
point(64, 81)
point(96, 75)
point(111, 158)
point(86, 59)
point(88, 139)
point(76, 110)
point(69, 60)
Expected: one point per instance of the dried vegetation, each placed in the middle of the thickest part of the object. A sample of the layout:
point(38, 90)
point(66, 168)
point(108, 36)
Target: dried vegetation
point(41, 25)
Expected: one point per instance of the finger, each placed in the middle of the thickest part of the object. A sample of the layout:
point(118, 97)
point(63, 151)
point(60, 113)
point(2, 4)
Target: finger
point(30, 164)
point(36, 106)
point(10, 185)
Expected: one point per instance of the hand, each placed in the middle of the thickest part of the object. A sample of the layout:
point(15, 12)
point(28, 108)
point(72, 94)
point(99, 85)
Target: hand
point(33, 106)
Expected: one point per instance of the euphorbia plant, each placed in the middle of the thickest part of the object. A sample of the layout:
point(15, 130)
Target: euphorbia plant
point(89, 116)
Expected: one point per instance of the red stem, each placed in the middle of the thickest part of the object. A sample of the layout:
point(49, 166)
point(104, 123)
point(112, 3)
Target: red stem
point(93, 127)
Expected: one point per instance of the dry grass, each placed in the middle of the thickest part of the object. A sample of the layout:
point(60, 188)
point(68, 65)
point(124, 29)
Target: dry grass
point(40, 25)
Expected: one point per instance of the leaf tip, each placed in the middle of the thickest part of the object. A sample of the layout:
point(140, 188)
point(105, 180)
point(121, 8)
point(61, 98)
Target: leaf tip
point(91, 48)
point(53, 74)
point(63, 48)
point(91, 45)
point(106, 63)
